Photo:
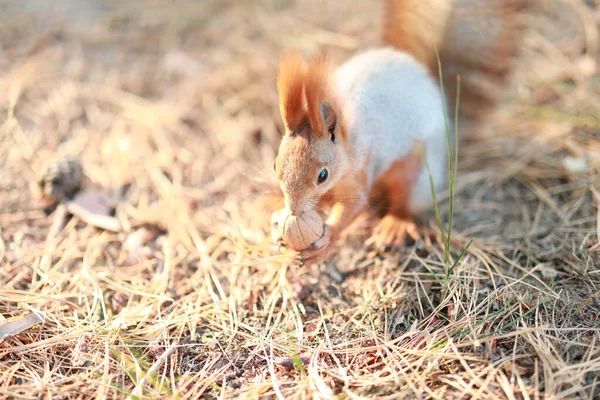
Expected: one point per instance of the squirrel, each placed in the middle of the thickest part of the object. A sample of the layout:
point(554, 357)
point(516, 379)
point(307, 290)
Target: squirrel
point(378, 121)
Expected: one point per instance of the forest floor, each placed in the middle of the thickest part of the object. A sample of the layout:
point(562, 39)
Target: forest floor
point(172, 109)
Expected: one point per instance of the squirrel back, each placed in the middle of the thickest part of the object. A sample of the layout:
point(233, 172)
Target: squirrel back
point(476, 39)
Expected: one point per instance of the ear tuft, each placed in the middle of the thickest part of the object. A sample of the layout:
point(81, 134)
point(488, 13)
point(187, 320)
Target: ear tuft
point(317, 92)
point(330, 118)
point(290, 84)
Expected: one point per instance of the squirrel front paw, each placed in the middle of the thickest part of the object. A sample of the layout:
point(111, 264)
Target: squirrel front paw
point(320, 249)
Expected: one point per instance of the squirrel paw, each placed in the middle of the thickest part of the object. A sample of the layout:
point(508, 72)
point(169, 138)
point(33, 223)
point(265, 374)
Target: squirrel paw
point(391, 232)
point(319, 250)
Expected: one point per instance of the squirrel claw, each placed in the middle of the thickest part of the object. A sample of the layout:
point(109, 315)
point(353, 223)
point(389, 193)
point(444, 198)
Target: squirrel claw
point(314, 246)
point(319, 250)
point(323, 240)
point(392, 231)
point(300, 259)
point(280, 245)
point(277, 239)
point(275, 233)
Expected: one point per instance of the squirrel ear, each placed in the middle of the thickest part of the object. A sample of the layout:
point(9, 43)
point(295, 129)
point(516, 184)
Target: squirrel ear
point(330, 119)
point(290, 84)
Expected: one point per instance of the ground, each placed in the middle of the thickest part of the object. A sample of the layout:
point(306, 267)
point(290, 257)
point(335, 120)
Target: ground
point(172, 108)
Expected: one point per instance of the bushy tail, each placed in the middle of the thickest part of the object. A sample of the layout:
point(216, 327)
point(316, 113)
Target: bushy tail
point(476, 39)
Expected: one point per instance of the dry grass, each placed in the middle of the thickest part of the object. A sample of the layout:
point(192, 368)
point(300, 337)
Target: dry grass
point(191, 300)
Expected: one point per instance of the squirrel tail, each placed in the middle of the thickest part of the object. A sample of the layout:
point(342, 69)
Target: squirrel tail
point(476, 39)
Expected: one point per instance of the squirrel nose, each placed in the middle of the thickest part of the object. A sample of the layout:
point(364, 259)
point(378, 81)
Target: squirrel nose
point(293, 210)
point(293, 207)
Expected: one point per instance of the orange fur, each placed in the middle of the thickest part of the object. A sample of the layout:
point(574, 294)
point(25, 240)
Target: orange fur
point(399, 180)
point(476, 40)
point(305, 91)
point(346, 202)
point(317, 90)
point(415, 26)
point(290, 84)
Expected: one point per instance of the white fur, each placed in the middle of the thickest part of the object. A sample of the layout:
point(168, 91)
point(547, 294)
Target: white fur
point(389, 101)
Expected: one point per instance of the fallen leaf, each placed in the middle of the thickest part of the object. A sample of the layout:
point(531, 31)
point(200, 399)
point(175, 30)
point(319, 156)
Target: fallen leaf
point(95, 208)
point(131, 316)
point(15, 325)
point(575, 165)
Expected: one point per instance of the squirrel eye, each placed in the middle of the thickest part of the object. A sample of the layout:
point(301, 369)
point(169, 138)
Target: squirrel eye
point(322, 176)
point(275, 166)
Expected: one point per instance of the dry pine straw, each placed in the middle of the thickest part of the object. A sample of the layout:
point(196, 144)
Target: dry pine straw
point(191, 300)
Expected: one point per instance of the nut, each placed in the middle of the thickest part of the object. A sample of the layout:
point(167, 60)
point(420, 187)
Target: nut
point(300, 231)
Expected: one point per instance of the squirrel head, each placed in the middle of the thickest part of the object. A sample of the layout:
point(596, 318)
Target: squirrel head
point(313, 154)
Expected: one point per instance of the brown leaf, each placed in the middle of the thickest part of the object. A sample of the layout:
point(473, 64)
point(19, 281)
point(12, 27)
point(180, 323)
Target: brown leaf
point(14, 326)
point(138, 239)
point(94, 208)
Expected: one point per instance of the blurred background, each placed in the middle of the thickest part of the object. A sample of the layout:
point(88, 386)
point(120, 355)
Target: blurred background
point(128, 86)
